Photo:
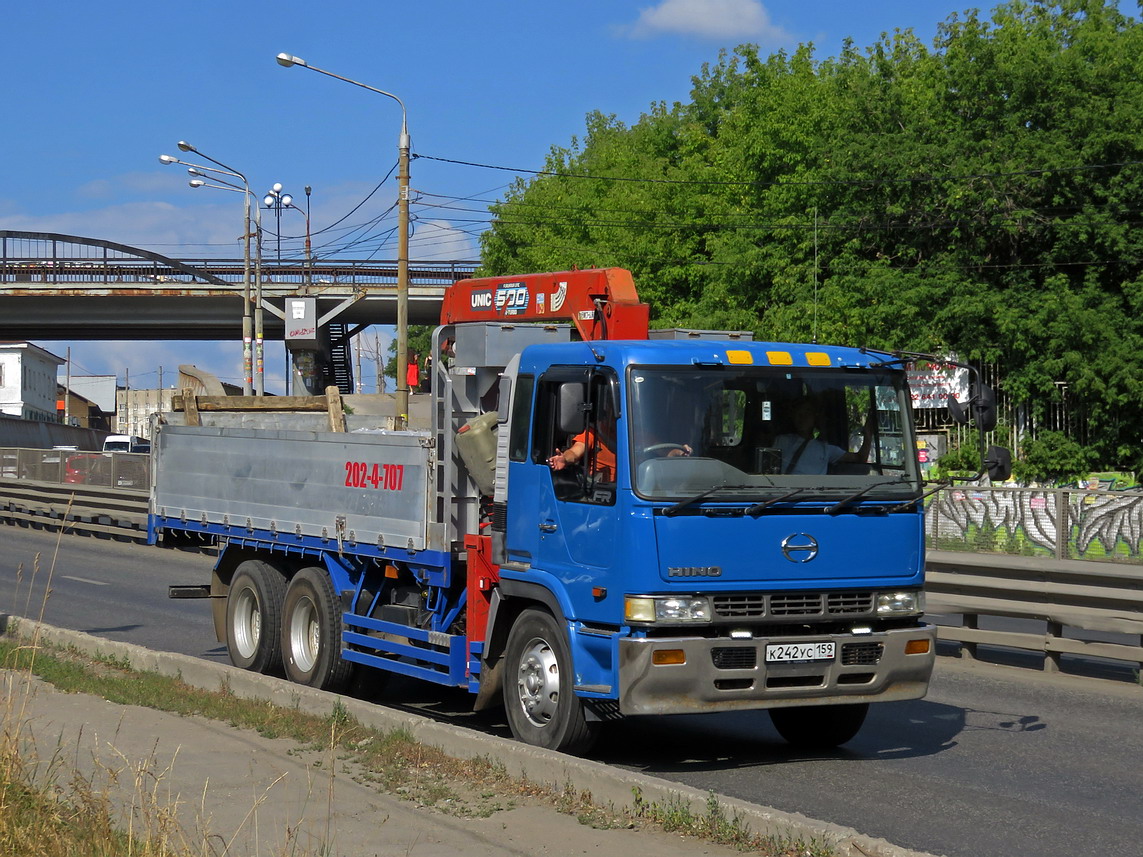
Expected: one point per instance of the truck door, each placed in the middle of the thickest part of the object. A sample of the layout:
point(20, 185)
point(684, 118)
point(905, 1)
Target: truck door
point(570, 529)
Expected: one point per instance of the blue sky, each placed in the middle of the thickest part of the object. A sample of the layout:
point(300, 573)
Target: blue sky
point(97, 91)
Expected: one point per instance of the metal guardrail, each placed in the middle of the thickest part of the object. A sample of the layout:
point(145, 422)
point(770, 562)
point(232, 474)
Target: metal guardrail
point(1071, 558)
point(91, 509)
point(1065, 594)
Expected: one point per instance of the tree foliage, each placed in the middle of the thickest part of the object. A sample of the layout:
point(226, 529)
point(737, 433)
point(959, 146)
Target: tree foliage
point(979, 194)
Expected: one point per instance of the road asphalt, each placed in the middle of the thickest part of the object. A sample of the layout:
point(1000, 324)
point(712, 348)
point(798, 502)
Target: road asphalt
point(254, 795)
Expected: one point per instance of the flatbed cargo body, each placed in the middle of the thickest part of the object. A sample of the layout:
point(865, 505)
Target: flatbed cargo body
point(368, 489)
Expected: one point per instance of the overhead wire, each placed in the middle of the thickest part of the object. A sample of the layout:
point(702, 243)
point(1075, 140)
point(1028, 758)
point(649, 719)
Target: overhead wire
point(1031, 171)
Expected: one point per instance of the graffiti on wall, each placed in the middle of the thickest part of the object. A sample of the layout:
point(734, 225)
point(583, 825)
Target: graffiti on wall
point(1093, 524)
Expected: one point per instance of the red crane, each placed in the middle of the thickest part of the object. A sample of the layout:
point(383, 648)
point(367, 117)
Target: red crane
point(600, 302)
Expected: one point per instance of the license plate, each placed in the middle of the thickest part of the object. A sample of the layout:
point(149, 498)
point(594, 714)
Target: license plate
point(788, 652)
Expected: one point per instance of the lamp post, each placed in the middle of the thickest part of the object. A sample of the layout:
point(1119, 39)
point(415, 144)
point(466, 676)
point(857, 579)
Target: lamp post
point(276, 201)
point(223, 169)
point(403, 146)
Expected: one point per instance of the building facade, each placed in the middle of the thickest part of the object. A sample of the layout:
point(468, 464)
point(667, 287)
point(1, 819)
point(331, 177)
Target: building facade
point(133, 410)
point(28, 381)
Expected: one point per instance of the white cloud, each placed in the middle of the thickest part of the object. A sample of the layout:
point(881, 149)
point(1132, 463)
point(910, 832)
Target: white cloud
point(709, 19)
point(440, 241)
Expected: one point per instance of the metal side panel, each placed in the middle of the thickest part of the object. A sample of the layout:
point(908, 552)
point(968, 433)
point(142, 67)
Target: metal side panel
point(369, 487)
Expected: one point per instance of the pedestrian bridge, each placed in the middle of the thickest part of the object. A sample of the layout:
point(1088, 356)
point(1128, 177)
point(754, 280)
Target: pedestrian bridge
point(65, 287)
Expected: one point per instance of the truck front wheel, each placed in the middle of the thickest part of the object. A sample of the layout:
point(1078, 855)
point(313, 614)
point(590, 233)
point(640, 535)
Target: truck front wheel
point(311, 632)
point(539, 699)
point(819, 727)
point(254, 616)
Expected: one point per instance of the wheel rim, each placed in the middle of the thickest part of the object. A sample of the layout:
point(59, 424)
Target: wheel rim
point(247, 623)
point(538, 682)
point(305, 635)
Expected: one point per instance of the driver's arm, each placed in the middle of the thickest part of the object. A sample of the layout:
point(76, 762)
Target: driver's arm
point(571, 455)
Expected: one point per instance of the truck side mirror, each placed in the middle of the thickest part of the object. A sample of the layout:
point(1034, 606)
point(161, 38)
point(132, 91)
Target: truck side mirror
point(998, 463)
point(958, 413)
point(984, 408)
point(572, 415)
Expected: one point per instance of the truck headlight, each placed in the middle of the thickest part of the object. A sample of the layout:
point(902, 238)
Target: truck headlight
point(905, 603)
point(667, 609)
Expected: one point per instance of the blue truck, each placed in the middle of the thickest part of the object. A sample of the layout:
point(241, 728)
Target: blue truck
point(598, 521)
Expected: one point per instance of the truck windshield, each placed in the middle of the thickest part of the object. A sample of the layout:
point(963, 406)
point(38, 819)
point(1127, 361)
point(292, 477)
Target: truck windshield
point(761, 432)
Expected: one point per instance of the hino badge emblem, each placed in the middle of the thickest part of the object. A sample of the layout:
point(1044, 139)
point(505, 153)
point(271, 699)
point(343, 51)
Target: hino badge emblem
point(800, 547)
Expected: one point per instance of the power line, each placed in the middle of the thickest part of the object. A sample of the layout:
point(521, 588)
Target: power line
point(1032, 171)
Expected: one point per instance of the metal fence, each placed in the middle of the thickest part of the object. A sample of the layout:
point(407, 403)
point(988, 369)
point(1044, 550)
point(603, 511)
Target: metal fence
point(77, 467)
point(1055, 571)
point(1061, 523)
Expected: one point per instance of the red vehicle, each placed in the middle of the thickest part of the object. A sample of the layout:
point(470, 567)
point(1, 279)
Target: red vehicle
point(84, 469)
point(106, 469)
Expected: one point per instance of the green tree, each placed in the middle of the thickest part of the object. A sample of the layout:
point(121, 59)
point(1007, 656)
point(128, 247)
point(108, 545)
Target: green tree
point(420, 345)
point(977, 195)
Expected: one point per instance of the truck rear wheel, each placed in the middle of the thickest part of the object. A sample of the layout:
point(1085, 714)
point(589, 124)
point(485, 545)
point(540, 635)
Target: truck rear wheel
point(819, 727)
point(540, 702)
point(311, 632)
point(254, 616)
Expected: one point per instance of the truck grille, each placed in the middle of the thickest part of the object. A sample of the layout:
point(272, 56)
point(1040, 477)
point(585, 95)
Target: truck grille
point(849, 603)
point(797, 604)
point(793, 605)
point(740, 606)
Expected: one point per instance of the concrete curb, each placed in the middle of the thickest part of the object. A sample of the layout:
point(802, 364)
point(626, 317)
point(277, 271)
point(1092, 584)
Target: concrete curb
point(608, 786)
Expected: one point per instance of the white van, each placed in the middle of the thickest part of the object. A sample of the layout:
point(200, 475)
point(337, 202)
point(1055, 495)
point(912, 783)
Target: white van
point(118, 443)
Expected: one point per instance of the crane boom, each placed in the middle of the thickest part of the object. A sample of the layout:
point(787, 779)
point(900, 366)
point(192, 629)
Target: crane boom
point(600, 302)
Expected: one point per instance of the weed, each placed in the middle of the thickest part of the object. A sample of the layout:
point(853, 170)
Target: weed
point(676, 816)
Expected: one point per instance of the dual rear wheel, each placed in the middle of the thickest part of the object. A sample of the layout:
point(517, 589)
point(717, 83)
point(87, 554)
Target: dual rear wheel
point(294, 627)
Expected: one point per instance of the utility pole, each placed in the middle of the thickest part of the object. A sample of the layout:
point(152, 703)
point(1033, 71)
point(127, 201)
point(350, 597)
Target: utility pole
point(403, 274)
point(357, 350)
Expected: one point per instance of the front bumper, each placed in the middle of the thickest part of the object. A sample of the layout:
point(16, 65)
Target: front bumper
point(728, 674)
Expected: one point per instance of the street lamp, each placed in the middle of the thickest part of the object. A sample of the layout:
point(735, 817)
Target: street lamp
point(403, 146)
point(276, 200)
point(222, 169)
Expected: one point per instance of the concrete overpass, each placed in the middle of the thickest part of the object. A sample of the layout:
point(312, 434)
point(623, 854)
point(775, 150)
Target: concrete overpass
point(66, 287)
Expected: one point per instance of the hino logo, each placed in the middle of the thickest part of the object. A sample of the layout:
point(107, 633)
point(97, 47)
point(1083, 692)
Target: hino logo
point(695, 571)
point(800, 547)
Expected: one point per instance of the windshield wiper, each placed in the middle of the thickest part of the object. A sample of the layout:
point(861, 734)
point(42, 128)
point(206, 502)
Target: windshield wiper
point(671, 511)
point(901, 507)
point(845, 501)
point(766, 504)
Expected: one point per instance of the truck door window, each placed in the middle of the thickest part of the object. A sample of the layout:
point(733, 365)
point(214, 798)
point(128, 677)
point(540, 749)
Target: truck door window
point(590, 478)
point(521, 413)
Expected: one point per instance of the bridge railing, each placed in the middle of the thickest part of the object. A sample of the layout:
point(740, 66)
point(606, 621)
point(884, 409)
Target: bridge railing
point(111, 271)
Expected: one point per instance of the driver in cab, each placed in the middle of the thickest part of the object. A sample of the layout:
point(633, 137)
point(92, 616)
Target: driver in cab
point(600, 440)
